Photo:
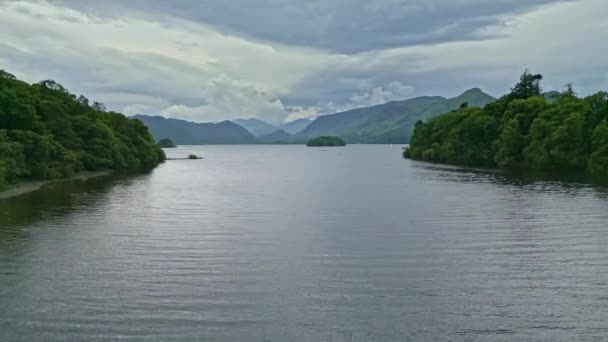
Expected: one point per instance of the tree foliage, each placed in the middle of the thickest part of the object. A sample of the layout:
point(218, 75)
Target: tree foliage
point(46, 132)
point(528, 86)
point(166, 143)
point(522, 130)
point(325, 141)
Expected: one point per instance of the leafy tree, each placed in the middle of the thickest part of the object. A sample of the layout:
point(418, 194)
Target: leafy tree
point(528, 86)
point(510, 153)
point(569, 91)
point(598, 161)
point(570, 144)
point(536, 154)
point(7, 75)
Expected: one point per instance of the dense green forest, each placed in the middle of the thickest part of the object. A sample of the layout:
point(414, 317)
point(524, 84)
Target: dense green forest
point(47, 132)
point(325, 141)
point(522, 130)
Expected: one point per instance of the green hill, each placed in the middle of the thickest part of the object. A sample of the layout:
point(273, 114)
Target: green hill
point(391, 122)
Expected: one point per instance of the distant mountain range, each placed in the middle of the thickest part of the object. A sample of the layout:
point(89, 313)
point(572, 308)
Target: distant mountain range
point(261, 128)
point(295, 126)
point(389, 123)
point(276, 137)
point(240, 131)
point(190, 133)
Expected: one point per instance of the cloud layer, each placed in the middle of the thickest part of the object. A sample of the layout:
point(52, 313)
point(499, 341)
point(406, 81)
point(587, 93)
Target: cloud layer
point(342, 26)
point(212, 60)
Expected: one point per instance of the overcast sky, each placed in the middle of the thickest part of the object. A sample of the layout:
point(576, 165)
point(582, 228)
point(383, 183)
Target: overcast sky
point(209, 60)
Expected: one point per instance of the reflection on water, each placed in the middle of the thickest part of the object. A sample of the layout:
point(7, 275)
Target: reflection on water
point(464, 174)
point(60, 197)
point(280, 243)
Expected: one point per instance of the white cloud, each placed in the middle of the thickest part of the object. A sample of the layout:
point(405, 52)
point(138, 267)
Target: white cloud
point(230, 99)
point(394, 91)
point(301, 112)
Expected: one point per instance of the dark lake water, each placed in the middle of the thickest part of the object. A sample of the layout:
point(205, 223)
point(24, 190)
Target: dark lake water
point(287, 243)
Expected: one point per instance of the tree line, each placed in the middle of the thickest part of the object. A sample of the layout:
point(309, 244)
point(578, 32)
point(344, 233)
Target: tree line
point(46, 133)
point(325, 141)
point(522, 130)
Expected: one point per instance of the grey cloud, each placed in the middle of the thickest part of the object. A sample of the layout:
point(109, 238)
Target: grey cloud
point(342, 26)
point(187, 69)
point(118, 73)
point(539, 41)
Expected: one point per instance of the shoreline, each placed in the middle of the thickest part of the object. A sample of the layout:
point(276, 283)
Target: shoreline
point(26, 187)
point(572, 177)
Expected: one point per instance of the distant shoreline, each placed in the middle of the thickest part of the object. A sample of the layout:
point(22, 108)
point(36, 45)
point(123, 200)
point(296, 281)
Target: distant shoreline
point(25, 187)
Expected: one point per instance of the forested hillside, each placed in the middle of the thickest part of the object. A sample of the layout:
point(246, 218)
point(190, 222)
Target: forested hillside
point(522, 130)
point(392, 122)
point(46, 132)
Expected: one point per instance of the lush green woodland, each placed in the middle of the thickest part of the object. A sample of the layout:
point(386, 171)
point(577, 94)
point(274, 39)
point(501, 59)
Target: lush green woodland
point(521, 130)
point(325, 141)
point(47, 133)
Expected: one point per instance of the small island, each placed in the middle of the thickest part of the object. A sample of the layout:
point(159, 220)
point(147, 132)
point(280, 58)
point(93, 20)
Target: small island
point(325, 141)
point(166, 143)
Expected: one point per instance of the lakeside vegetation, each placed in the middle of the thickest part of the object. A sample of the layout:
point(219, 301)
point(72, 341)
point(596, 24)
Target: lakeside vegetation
point(48, 133)
point(166, 143)
point(522, 130)
point(325, 141)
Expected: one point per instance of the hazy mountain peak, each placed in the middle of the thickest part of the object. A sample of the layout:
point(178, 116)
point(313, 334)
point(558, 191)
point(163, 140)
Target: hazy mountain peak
point(295, 126)
point(475, 97)
point(255, 126)
point(475, 92)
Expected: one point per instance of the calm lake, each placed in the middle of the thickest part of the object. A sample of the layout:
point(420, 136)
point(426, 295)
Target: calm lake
point(288, 243)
